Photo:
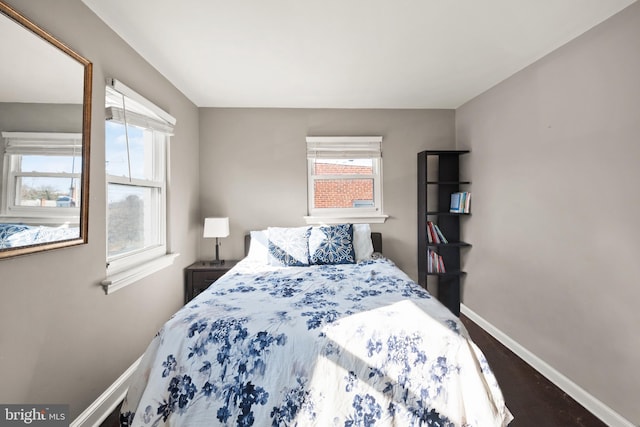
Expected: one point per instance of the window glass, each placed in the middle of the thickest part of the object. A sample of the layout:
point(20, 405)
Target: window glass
point(47, 192)
point(129, 153)
point(44, 163)
point(131, 216)
point(342, 166)
point(343, 193)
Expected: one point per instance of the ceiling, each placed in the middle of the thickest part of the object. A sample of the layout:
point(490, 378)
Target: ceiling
point(345, 53)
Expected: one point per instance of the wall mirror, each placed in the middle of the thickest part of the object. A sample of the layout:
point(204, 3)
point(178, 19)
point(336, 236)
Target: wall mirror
point(45, 114)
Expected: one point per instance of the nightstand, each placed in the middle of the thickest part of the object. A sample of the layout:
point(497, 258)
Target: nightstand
point(200, 275)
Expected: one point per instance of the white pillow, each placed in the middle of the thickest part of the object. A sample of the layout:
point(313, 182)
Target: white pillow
point(259, 246)
point(362, 243)
point(289, 246)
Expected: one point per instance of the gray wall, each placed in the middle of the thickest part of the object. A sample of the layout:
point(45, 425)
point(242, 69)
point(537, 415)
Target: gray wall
point(253, 168)
point(27, 117)
point(555, 232)
point(61, 339)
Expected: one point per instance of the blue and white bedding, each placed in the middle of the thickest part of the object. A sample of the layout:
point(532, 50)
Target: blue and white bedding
point(16, 235)
point(322, 345)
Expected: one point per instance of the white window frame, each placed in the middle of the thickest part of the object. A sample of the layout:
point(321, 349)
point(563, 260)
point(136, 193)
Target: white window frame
point(37, 143)
point(348, 147)
point(125, 269)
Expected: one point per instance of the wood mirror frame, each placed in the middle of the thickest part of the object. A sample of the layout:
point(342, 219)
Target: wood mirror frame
point(34, 36)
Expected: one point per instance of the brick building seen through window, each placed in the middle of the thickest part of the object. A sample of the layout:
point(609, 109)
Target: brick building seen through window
point(343, 192)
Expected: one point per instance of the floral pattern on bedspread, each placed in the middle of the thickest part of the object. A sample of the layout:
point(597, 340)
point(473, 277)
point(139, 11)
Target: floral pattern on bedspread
point(330, 345)
point(16, 235)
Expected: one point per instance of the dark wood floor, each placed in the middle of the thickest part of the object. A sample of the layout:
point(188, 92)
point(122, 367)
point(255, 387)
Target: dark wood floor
point(532, 399)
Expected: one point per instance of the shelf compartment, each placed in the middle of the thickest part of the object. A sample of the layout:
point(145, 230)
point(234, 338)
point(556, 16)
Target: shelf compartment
point(446, 152)
point(450, 244)
point(457, 273)
point(449, 182)
point(436, 213)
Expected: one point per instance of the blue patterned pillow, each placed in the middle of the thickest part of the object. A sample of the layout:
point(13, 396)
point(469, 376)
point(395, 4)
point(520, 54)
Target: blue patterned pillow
point(289, 247)
point(7, 231)
point(332, 244)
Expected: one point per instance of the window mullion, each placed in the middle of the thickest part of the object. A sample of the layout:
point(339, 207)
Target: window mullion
point(134, 182)
point(45, 174)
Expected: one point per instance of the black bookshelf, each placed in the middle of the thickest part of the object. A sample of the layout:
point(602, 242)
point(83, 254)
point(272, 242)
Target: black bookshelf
point(447, 182)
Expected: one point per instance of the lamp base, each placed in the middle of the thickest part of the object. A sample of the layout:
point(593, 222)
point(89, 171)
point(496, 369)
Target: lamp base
point(217, 261)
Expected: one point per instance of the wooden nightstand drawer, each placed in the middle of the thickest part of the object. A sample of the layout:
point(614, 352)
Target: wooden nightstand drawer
point(202, 279)
point(200, 275)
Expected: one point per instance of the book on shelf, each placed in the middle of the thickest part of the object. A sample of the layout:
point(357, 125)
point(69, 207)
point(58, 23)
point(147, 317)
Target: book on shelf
point(460, 202)
point(440, 235)
point(455, 203)
point(435, 263)
point(434, 233)
point(433, 237)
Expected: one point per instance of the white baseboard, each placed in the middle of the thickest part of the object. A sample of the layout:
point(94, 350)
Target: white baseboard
point(593, 405)
point(104, 405)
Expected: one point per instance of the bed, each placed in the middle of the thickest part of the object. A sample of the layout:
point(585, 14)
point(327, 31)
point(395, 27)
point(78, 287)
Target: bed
point(342, 337)
point(16, 235)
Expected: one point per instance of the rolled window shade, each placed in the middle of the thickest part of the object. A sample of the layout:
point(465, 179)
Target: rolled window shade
point(35, 143)
point(360, 147)
point(118, 114)
point(123, 104)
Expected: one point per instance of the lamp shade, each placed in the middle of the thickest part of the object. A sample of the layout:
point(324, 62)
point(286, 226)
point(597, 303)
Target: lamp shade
point(216, 227)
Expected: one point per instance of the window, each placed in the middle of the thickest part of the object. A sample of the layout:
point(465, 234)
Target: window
point(136, 145)
point(42, 172)
point(344, 179)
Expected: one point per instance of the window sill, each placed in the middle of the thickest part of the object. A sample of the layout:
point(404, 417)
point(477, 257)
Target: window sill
point(360, 219)
point(122, 279)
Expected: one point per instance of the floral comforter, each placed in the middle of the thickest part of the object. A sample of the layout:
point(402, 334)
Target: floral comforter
point(15, 235)
point(331, 345)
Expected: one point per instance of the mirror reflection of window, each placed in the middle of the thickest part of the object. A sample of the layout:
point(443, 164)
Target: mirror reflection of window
point(43, 171)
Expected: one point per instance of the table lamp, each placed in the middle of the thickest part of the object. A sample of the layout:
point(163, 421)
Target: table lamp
point(216, 227)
